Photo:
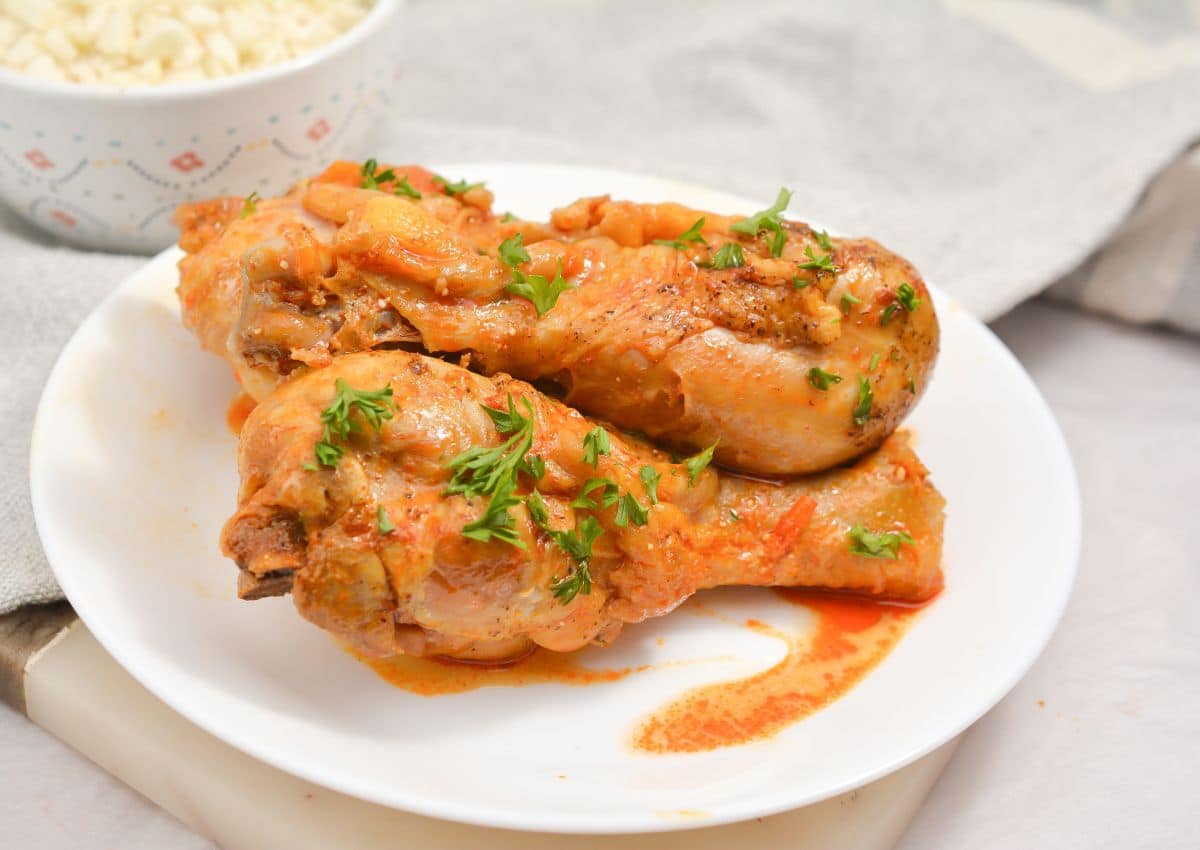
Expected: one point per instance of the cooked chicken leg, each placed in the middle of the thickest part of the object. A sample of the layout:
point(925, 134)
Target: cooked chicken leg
point(790, 351)
point(379, 542)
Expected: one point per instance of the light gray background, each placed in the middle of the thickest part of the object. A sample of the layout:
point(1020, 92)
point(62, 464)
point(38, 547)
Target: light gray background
point(999, 146)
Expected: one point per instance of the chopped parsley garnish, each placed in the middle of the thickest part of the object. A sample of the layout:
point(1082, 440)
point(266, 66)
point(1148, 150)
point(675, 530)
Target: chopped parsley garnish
point(374, 406)
point(728, 256)
point(630, 510)
point(912, 386)
point(535, 466)
point(507, 217)
point(327, 453)
point(697, 463)
point(849, 299)
point(405, 188)
point(821, 379)
point(372, 176)
point(537, 290)
point(497, 523)
point(823, 263)
point(689, 236)
point(873, 362)
point(250, 205)
point(768, 221)
point(512, 251)
point(799, 282)
point(823, 240)
point(906, 297)
point(595, 443)
point(866, 397)
point(577, 544)
point(481, 471)
point(607, 497)
point(386, 526)
point(733, 515)
point(536, 505)
point(308, 466)
point(870, 544)
point(650, 479)
point(456, 189)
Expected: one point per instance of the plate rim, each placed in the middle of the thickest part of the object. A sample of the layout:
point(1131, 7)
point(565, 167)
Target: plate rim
point(435, 806)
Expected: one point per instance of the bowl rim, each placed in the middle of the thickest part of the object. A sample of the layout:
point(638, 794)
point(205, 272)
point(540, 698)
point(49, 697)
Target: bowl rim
point(378, 13)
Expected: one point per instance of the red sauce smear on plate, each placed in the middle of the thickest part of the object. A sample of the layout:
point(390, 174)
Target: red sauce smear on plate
point(826, 657)
point(850, 636)
point(239, 409)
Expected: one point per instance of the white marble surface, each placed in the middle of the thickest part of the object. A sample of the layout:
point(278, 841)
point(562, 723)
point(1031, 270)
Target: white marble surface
point(1094, 748)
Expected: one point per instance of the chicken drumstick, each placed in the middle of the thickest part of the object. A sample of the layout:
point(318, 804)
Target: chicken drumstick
point(412, 506)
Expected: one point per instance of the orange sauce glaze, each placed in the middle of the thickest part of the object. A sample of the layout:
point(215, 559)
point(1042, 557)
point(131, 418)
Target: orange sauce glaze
point(431, 676)
point(240, 408)
point(850, 637)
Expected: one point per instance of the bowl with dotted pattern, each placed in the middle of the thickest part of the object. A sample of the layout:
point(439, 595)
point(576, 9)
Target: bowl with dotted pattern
point(104, 168)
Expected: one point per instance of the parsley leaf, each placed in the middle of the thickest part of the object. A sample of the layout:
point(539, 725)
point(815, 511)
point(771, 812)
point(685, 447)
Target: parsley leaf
point(768, 220)
point(534, 466)
point(386, 526)
point(512, 251)
point(577, 544)
point(823, 263)
point(497, 523)
point(728, 256)
point(608, 495)
point(405, 188)
point(374, 405)
point(595, 443)
point(507, 217)
point(823, 240)
point(537, 290)
point(799, 283)
point(697, 463)
point(327, 453)
point(536, 505)
point(630, 510)
point(874, 361)
point(650, 478)
point(849, 299)
point(906, 297)
point(691, 235)
point(493, 472)
point(372, 177)
point(862, 410)
point(481, 471)
point(870, 544)
point(821, 379)
point(250, 205)
point(455, 189)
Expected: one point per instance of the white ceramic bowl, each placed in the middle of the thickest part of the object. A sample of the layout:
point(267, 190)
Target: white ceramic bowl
point(105, 167)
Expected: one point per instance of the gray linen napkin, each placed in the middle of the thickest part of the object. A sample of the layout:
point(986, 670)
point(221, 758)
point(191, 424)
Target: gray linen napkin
point(997, 145)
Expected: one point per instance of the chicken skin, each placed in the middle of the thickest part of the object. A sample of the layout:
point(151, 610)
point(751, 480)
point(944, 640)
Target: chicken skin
point(788, 350)
point(365, 492)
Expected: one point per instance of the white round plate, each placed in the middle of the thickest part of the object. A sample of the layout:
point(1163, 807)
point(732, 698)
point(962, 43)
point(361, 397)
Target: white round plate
point(133, 473)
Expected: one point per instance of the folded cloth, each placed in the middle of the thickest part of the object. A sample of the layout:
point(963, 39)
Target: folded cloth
point(997, 145)
point(1149, 271)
